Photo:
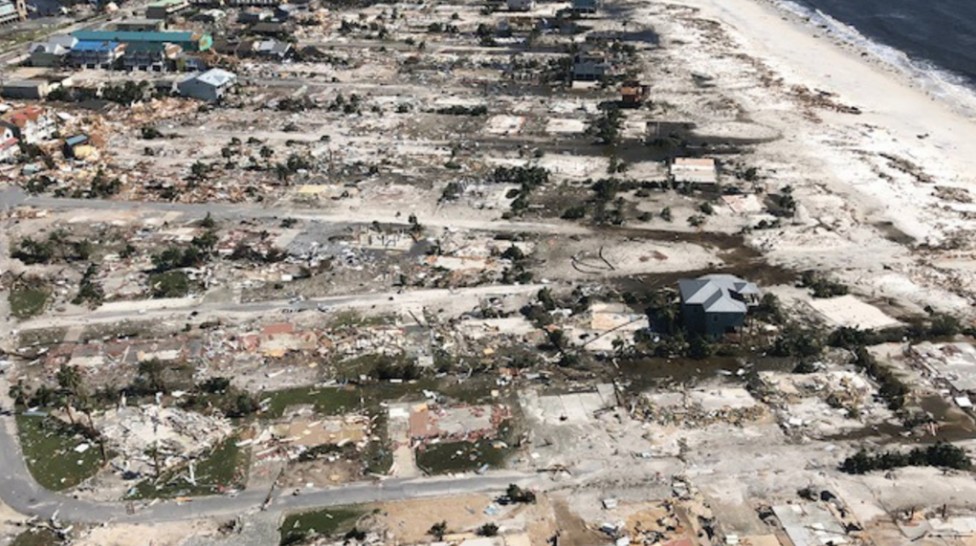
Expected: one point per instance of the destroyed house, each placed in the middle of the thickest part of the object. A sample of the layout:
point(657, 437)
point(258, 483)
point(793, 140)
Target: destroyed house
point(31, 124)
point(715, 305)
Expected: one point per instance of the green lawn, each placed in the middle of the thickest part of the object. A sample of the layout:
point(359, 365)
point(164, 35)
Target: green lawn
point(443, 458)
point(447, 457)
point(49, 449)
point(330, 521)
point(224, 468)
point(36, 537)
point(27, 302)
point(326, 400)
point(171, 284)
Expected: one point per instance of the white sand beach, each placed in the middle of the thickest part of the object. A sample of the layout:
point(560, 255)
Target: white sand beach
point(893, 175)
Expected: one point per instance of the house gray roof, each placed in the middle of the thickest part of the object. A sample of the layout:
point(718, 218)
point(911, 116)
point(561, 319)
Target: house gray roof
point(717, 293)
point(272, 47)
point(216, 77)
point(58, 44)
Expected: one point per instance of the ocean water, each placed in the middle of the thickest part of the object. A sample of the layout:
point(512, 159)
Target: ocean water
point(931, 41)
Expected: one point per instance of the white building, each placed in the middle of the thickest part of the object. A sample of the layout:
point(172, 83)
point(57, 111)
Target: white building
point(209, 86)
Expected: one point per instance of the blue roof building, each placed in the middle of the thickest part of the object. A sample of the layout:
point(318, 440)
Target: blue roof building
point(189, 41)
point(95, 54)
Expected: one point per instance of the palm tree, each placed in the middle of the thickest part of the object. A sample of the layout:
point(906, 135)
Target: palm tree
point(69, 379)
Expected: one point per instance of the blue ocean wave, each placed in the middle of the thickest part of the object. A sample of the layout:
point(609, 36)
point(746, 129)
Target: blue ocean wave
point(941, 83)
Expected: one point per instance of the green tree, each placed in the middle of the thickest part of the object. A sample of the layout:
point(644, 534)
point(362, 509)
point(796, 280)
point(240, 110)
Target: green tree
point(438, 530)
point(488, 530)
point(69, 380)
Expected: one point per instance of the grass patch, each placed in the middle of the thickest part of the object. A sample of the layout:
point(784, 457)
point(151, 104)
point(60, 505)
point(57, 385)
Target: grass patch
point(348, 319)
point(48, 446)
point(224, 468)
point(36, 537)
point(42, 337)
point(27, 302)
point(325, 401)
point(299, 527)
point(447, 457)
point(171, 284)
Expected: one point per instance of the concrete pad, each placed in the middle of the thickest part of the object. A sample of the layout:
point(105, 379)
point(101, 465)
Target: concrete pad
point(852, 312)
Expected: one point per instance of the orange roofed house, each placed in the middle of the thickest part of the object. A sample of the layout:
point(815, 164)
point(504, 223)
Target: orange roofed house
point(31, 124)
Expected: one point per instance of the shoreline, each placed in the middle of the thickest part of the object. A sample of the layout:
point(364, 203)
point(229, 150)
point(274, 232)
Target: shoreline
point(963, 104)
point(928, 130)
point(883, 172)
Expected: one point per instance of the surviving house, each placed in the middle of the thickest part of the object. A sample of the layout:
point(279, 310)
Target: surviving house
point(188, 40)
point(73, 146)
point(590, 64)
point(272, 49)
point(714, 305)
point(633, 94)
point(521, 5)
point(25, 89)
point(91, 54)
point(12, 11)
point(52, 52)
point(696, 170)
point(31, 124)
point(164, 9)
point(151, 58)
point(585, 6)
point(209, 86)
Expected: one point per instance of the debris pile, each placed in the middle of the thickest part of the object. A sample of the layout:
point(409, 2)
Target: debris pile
point(150, 438)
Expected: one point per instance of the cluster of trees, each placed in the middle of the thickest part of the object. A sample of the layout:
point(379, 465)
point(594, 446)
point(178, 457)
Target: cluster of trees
point(517, 272)
point(606, 127)
point(461, 110)
point(797, 341)
point(218, 393)
point(56, 248)
point(199, 252)
point(820, 286)
point(783, 204)
point(90, 291)
point(387, 369)
point(528, 179)
point(941, 454)
point(291, 166)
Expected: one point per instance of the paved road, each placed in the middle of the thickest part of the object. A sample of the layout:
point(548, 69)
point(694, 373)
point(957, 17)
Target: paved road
point(19, 491)
point(145, 310)
point(13, 196)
